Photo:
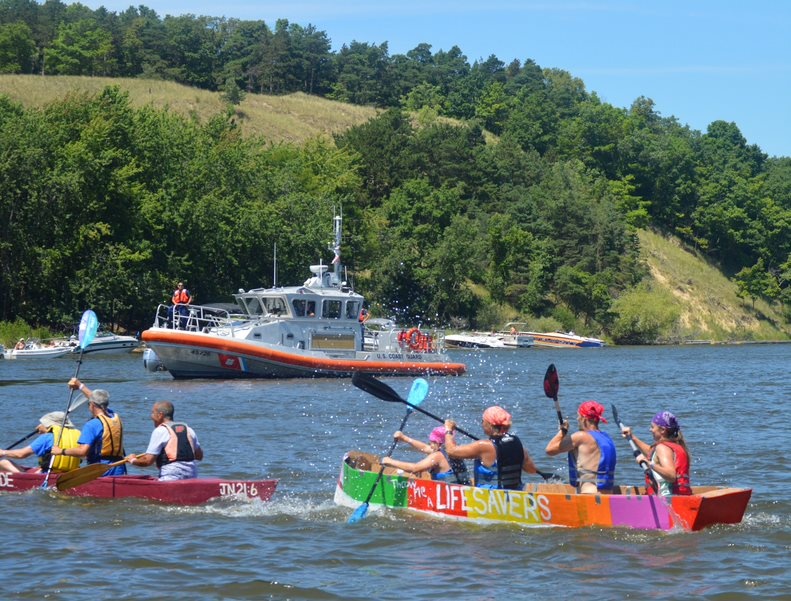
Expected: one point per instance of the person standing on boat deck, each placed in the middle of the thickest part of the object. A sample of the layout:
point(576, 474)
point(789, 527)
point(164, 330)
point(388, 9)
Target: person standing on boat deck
point(102, 437)
point(173, 446)
point(500, 460)
point(669, 455)
point(52, 427)
point(181, 298)
point(437, 462)
point(591, 452)
point(20, 345)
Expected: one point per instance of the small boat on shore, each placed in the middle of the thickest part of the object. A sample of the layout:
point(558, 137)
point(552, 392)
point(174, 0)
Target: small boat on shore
point(175, 492)
point(317, 329)
point(479, 340)
point(539, 504)
point(35, 349)
point(555, 339)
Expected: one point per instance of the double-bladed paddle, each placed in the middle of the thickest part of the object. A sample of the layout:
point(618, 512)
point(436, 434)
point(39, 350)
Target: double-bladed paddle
point(89, 324)
point(551, 388)
point(379, 389)
point(417, 393)
point(85, 474)
point(643, 464)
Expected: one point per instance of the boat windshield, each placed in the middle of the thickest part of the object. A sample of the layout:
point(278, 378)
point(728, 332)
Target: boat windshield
point(353, 309)
point(331, 309)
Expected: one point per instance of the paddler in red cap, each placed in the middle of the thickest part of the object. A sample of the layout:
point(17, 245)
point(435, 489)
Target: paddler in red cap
point(499, 460)
point(591, 452)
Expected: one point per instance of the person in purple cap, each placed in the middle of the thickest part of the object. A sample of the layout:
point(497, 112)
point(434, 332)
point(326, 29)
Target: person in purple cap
point(591, 452)
point(668, 457)
point(436, 462)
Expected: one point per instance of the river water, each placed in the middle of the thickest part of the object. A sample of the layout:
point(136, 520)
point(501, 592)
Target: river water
point(733, 403)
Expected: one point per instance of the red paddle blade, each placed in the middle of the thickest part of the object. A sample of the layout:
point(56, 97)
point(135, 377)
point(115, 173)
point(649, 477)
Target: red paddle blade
point(551, 382)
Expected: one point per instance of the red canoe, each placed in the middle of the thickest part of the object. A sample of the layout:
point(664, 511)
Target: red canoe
point(177, 492)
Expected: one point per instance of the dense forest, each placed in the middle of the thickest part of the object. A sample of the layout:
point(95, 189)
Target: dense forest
point(103, 205)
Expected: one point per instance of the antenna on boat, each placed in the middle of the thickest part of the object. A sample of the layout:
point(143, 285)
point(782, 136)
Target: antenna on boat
point(336, 261)
point(274, 268)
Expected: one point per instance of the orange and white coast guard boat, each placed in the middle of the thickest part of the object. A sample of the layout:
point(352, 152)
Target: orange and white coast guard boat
point(313, 330)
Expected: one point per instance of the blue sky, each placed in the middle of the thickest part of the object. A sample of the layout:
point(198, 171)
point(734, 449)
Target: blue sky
point(698, 60)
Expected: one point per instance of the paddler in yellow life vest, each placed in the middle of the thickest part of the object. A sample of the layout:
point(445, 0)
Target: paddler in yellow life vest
point(53, 429)
point(102, 438)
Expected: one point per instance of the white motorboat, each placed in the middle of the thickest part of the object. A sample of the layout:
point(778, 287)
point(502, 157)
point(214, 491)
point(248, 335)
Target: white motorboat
point(110, 343)
point(318, 329)
point(484, 340)
point(35, 349)
point(556, 339)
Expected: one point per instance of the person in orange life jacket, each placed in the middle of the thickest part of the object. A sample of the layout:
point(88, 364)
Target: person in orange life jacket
point(592, 455)
point(181, 298)
point(452, 471)
point(499, 460)
point(669, 455)
point(173, 446)
point(51, 427)
point(102, 437)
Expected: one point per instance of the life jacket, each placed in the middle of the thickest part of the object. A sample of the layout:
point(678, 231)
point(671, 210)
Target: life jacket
point(179, 446)
point(681, 460)
point(112, 438)
point(65, 438)
point(457, 474)
point(507, 468)
point(604, 476)
point(181, 297)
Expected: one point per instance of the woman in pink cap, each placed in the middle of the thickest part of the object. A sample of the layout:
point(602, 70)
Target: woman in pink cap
point(500, 459)
point(591, 452)
point(669, 456)
point(452, 471)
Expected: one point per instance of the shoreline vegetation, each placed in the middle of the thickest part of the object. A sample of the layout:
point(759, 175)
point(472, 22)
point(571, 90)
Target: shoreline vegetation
point(689, 300)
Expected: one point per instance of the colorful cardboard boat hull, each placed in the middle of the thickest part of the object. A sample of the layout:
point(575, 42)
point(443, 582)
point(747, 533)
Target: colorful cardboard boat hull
point(177, 492)
point(539, 504)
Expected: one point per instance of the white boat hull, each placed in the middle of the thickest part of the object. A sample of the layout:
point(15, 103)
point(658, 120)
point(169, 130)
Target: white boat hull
point(39, 353)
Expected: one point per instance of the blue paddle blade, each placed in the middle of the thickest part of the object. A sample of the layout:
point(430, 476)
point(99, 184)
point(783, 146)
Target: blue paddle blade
point(359, 514)
point(89, 324)
point(418, 392)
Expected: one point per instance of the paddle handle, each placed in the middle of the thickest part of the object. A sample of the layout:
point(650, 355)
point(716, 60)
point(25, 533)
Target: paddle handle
point(643, 463)
point(21, 440)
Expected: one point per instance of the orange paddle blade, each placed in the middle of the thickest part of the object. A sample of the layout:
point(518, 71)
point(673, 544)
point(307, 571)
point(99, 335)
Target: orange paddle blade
point(85, 474)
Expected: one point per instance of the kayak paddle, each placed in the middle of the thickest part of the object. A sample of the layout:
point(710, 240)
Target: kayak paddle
point(381, 390)
point(86, 474)
point(417, 393)
point(643, 464)
point(89, 324)
point(551, 387)
point(80, 400)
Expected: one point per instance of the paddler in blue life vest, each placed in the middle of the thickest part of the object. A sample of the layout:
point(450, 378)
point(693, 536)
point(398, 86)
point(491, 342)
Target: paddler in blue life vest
point(52, 427)
point(101, 440)
point(500, 459)
point(591, 452)
point(173, 446)
point(436, 462)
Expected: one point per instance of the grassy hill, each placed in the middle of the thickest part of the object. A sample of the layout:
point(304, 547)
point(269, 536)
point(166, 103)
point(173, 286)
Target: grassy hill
point(708, 306)
point(707, 303)
point(293, 118)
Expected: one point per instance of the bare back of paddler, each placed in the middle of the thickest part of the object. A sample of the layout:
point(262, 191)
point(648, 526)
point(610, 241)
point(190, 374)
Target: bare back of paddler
point(591, 452)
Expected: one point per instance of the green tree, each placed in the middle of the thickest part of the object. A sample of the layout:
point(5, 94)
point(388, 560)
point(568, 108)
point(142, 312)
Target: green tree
point(17, 48)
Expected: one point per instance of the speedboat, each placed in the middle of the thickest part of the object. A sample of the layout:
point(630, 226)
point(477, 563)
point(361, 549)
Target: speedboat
point(34, 349)
point(317, 329)
point(537, 505)
point(483, 340)
point(555, 339)
point(110, 343)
